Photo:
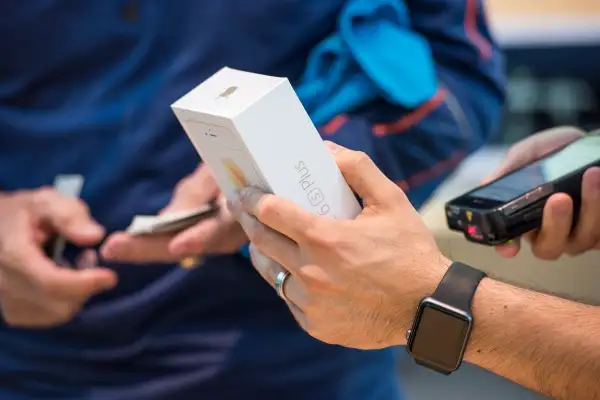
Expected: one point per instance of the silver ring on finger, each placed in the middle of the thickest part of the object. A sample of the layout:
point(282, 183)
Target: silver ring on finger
point(280, 284)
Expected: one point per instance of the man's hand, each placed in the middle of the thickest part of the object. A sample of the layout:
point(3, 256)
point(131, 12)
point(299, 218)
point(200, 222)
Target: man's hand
point(220, 234)
point(556, 235)
point(34, 291)
point(354, 283)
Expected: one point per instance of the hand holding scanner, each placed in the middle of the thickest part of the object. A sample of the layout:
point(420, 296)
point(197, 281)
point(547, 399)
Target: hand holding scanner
point(513, 204)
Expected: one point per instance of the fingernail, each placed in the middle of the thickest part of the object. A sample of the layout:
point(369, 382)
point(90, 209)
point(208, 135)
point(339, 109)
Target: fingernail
point(247, 192)
point(91, 230)
point(234, 206)
point(109, 250)
point(107, 253)
point(332, 147)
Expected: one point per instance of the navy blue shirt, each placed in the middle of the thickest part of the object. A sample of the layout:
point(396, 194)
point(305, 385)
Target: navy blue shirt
point(85, 88)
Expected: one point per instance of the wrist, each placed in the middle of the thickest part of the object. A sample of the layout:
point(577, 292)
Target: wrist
point(423, 285)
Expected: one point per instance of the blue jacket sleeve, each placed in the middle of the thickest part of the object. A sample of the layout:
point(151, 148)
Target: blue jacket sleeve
point(418, 148)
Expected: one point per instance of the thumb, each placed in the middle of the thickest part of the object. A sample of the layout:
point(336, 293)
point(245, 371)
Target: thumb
point(69, 217)
point(78, 285)
point(510, 249)
point(364, 178)
point(536, 147)
point(97, 280)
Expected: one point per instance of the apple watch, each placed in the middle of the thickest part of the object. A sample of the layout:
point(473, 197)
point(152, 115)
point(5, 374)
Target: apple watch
point(442, 325)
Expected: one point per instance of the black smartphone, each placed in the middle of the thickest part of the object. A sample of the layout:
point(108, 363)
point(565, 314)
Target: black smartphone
point(513, 204)
point(172, 222)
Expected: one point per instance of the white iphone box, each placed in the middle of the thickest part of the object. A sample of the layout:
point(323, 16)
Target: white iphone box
point(252, 130)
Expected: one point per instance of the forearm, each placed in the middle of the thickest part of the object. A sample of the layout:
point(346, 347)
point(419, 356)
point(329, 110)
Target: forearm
point(548, 344)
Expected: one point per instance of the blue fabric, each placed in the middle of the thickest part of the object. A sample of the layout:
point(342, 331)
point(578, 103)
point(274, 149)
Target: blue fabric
point(245, 251)
point(418, 147)
point(363, 60)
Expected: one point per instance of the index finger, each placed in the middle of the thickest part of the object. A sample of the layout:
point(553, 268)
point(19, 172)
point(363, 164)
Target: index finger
point(279, 214)
point(124, 247)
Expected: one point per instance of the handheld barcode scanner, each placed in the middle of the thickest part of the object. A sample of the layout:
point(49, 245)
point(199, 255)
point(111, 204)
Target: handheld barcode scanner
point(513, 204)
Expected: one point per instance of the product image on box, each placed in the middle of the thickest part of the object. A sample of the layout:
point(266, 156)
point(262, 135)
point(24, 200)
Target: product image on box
point(252, 130)
point(238, 167)
point(236, 175)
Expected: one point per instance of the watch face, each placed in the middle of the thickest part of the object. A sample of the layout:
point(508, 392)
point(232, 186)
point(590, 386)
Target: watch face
point(440, 336)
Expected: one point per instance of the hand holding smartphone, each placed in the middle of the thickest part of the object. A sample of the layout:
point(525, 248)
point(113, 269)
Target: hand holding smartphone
point(513, 204)
point(170, 222)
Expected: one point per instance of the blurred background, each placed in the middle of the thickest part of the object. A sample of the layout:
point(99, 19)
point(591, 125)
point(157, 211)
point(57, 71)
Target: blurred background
point(553, 58)
point(552, 50)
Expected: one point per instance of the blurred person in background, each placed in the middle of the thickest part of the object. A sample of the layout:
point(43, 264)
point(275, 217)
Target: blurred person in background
point(85, 88)
point(343, 292)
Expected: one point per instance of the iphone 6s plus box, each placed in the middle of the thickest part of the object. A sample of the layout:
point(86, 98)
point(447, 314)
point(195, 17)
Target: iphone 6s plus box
point(252, 130)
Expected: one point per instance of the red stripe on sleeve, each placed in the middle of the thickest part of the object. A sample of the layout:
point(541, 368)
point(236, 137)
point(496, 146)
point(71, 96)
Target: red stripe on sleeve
point(334, 125)
point(412, 118)
point(472, 30)
point(437, 169)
